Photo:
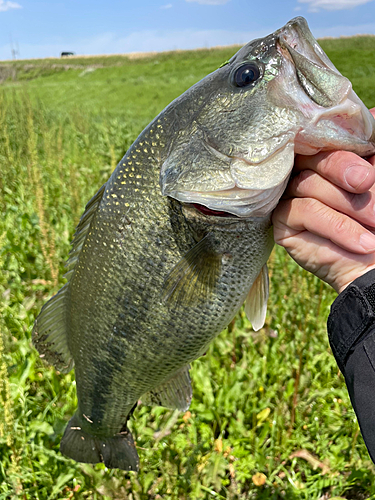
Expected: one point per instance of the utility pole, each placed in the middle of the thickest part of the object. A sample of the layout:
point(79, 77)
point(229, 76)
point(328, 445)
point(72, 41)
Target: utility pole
point(15, 51)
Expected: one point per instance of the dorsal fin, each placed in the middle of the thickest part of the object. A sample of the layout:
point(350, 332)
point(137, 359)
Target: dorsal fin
point(50, 329)
point(82, 230)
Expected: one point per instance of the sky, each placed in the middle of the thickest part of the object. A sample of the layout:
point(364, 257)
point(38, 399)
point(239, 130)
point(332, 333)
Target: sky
point(41, 28)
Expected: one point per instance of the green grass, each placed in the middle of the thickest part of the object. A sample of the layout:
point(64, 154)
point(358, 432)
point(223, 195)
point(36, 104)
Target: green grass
point(270, 417)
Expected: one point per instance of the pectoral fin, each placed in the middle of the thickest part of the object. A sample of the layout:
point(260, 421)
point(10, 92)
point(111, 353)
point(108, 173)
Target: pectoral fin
point(194, 277)
point(175, 393)
point(256, 300)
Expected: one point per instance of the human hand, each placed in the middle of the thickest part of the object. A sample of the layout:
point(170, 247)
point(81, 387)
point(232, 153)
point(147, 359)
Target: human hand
point(326, 218)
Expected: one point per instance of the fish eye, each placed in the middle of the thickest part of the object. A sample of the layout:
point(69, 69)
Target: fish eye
point(246, 74)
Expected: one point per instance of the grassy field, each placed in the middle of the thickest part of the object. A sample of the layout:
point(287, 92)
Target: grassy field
point(270, 417)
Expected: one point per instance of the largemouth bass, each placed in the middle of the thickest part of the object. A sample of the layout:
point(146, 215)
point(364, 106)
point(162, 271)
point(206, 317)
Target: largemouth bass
point(178, 238)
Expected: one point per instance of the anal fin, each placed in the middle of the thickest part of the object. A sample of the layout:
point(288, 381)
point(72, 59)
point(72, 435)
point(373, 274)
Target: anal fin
point(256, 300)
point(175, 393)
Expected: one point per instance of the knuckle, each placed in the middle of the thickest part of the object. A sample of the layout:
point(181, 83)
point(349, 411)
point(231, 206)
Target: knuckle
point(278, 234)
point(341, 225)
point(281, 211)
point(329, 161)
point(311, 205)
point(305, 181)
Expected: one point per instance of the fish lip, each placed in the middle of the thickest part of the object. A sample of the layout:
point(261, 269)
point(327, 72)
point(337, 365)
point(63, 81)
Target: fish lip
point(285, 49)
point(297, 34)
point(320, 95)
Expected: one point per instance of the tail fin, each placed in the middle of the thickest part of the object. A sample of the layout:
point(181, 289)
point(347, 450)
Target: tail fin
point(117, 452)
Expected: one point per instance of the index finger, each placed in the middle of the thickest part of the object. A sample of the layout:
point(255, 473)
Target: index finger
point(343, 168)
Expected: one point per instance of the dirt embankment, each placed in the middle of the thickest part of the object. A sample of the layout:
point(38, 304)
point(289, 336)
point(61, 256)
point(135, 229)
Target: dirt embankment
point(7, 73)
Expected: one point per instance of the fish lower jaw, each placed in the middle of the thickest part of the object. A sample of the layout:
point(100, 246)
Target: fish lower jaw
point(237, 202)
point(348, 125)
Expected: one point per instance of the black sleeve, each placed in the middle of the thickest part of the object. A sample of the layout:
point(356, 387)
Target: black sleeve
point(351, 332)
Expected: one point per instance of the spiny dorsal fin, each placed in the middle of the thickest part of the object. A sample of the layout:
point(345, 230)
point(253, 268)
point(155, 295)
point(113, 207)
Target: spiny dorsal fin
point(50, 329)
point(81, 231)
point(194, 277)
point(175, 393)
point(256, 300)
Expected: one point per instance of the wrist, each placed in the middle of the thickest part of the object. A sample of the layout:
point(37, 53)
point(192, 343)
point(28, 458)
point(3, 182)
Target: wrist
point(352, 313)
point(350, 277)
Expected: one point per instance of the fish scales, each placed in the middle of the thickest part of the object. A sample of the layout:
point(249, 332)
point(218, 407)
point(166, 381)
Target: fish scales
point(150, 341)
point(178, 238)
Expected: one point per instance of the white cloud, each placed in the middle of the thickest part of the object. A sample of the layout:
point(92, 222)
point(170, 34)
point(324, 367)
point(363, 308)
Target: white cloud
point(317, 5)
point(210, 2)
point(4, 6)
point(167, 6)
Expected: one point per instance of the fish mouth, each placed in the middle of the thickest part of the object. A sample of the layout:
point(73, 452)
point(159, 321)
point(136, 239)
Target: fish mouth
point(334, 107)
point(296, 36)
point(315, 73)
point(247, 178)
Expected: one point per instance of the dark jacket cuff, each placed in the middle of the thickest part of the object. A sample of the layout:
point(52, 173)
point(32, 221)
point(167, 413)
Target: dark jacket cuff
point(351, 331)
point(352, 314)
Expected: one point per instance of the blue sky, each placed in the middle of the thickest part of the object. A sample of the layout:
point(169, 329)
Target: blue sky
point(45, 28)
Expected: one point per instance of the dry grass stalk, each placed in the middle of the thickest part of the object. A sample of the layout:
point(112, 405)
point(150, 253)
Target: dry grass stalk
point(47, 242)
point(5, 398)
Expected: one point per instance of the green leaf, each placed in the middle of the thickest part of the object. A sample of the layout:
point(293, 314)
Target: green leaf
point(263, 415)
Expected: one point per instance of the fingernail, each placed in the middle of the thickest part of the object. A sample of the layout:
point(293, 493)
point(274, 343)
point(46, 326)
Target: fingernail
point(356, 175)
point(367, 241)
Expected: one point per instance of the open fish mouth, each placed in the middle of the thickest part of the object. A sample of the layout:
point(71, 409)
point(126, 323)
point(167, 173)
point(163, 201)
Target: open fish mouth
point(334, 107)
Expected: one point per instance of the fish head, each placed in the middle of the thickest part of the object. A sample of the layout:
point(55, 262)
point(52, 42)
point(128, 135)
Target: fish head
point(237, 131)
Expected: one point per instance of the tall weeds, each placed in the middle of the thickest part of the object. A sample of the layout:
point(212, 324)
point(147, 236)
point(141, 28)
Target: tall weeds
point(36, 182)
